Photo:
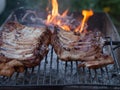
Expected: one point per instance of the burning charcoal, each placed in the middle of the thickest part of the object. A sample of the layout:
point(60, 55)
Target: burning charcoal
point(22, 46)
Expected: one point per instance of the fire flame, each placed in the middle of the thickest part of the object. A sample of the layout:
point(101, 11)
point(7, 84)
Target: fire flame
point(51, 17)
point(86, 14)
point(55, 8)
point(56, 19)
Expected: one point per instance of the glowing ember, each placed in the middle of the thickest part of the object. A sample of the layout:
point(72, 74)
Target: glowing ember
point(86, 15)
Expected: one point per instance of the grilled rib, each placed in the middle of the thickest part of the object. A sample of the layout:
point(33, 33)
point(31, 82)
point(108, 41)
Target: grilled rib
point(85, 47)
point(22, 44)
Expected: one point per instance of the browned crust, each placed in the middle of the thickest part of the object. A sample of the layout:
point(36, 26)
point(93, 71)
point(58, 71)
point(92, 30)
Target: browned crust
point(60, 50)
point(8, 68)
point(98, 62)
point(8, 65)
point(44, 39)
point(13, 25)
point(93, 58)
point(39, 52)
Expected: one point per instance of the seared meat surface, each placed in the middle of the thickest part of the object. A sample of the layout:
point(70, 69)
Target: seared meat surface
point(84, 47)
point(22, 46)
point(97, 62)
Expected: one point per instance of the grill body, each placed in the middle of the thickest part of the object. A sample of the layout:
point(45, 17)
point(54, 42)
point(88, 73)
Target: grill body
point(53, 73)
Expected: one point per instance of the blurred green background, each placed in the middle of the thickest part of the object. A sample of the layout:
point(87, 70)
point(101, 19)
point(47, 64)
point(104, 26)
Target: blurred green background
point(110, 6)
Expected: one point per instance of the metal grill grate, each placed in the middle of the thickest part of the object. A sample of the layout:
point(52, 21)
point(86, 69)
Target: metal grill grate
point(52, 71)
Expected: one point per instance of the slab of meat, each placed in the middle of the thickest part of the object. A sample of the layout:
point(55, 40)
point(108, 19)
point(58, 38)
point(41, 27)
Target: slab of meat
point(22, 46)
point(85, 47)
point(98, 62)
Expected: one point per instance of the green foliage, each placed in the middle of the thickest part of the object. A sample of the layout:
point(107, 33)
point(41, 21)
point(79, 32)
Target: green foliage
point(110, 6)
point(78, 5)
point(114, 5)
point(96, 5)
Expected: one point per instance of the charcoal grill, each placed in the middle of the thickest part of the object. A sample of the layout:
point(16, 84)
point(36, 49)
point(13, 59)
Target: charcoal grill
point(53, 73)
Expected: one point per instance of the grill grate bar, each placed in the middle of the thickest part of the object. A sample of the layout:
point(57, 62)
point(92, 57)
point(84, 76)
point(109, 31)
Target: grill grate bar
point(71, 70)
point(92, 73)
point(115, 59)
point(16, 77)
point(90, 76)
point(57, 70)
point(31, 74)
point(118, 46)
point(65, 72)
point(5, 80)
point(95, 76)
point(53, 71)
point(51, 58)
point(77, 70)
point(107, 74)
point(25, 76)
point(84, 78)
point(101, 72)
point(38, 74)
point(81, 75)
point(44, 77)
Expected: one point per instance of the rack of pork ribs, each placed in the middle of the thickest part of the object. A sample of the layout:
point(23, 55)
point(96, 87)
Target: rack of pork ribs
point(85, 47)
point(23, 46)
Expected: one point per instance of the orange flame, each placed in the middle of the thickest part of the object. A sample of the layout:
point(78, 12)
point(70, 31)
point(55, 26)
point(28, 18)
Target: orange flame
point(53, 18)
point(55, 8)
point(86, 15)
point(56, 19)
point(65, 13)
